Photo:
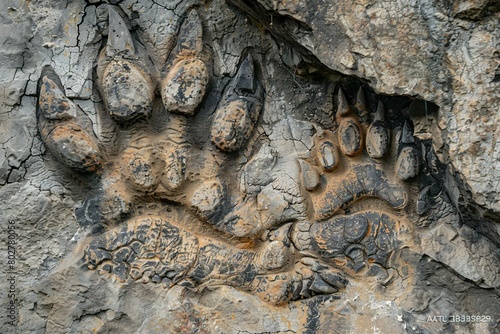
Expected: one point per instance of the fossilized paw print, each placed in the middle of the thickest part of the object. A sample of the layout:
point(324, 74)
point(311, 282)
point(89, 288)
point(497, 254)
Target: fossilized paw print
point(157, 157)
point(358, 179)
point(151, 107)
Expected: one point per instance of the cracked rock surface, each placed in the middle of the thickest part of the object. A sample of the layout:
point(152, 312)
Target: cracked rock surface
point(230, 166)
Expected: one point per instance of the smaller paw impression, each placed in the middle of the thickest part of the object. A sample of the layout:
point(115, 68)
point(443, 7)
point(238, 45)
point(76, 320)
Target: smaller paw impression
point(358, 180)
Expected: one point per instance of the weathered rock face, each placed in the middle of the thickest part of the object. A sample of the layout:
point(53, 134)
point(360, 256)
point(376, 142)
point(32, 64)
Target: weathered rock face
point(445, 53)
point(250, 166)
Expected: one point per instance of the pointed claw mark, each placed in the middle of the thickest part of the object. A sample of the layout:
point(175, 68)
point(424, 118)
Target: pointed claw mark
point(378, 137)
point(190, 40)
point(185, 85)
point(407, 135)
point(120, 42)
point(343, 107)
point(127, 90)
point(53, 104)
point(245, 82)
point(64, 127)
point(407, 165)
point(241, 105)
point(361, 102)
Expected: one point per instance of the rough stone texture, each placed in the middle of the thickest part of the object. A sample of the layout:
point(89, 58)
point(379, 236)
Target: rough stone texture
point(445, 52)
point(251, 166)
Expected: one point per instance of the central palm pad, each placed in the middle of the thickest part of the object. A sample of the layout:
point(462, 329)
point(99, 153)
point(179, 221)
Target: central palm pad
point(362, 181)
